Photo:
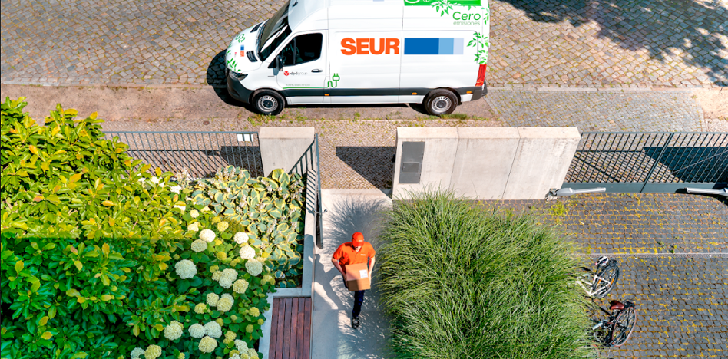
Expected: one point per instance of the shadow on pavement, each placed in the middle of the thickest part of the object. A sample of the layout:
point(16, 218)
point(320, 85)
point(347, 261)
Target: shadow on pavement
point(372, 163)
point(216, 79)
point(694, 28)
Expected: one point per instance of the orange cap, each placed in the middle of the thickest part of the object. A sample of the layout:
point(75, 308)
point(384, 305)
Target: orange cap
point(357, 239)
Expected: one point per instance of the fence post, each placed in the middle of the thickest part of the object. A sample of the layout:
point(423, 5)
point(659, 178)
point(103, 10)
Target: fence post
point(320, 214)
point(657, 161)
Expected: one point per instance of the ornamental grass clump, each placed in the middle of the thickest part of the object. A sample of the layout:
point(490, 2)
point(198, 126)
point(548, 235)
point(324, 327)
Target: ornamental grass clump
point(462, 282)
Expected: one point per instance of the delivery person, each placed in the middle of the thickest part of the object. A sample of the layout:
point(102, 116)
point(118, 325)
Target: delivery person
point(354, 252)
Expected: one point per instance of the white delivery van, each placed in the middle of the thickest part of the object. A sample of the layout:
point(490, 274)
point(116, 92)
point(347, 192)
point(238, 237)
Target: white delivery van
point(432, 52)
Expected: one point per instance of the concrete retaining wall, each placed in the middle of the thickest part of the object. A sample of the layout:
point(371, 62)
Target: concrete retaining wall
point(281, 147)
point(489, 162)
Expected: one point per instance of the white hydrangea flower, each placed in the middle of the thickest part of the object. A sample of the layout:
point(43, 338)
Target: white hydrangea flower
point(194, 213)
point(207, 235)
point(216, 275)
point(153, 352)
point(173, 331)
point(155, 180)
point(136, 353)
point(252, 353)
point(185, 269)
point(197, 331)
point(247, 252)
point(225, 303)
point(230, 273)
point(207, 345)
point(254, 267)
point(241, 237)
point(199, 246)
point(194, 227)
point(225, 283)
point(254, 311)
point(235, 356)
point(175, 189)
point(240, 345)
point(213, 329)
point(212, 299)
point(240, 286)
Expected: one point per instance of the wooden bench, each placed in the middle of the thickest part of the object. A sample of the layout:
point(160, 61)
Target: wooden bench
point(290, 331)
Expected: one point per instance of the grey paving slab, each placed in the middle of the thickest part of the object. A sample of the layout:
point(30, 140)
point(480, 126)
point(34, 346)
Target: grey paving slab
point(554, 43)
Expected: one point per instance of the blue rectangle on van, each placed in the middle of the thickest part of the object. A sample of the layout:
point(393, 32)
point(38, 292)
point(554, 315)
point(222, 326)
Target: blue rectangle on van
point(421, 46)
point(433, 46)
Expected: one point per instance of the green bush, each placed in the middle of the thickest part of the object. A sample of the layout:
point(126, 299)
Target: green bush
point(460, 282)
point(91, 242)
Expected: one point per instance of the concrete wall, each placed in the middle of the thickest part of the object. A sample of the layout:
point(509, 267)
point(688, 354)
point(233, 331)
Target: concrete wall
point(489, 162)
point(281, 147)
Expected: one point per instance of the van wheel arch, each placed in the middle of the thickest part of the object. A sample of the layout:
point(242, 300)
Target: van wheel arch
point(267, 101)
point(254, 93)
point(441, 101)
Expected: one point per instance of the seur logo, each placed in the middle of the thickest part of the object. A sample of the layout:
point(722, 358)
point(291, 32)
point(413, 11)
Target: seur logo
point(285, 73)
point(365, 46)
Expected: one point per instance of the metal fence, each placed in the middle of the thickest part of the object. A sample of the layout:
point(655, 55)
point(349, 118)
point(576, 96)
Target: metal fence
point(649, 162)
point(309, 165)
point(201, 154)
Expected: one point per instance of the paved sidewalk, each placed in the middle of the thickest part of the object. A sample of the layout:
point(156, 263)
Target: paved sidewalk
point(592, 43)
point(349, 211)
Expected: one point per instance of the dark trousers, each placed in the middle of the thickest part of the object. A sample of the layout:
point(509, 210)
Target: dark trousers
point(358, 300)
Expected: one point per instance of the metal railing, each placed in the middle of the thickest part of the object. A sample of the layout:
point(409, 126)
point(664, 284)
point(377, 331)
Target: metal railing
point(200, 153)
point(630, 162)
point(308, 165)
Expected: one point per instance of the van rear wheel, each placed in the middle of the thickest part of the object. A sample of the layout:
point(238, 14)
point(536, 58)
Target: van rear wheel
point(268, 102)
point(440, 102)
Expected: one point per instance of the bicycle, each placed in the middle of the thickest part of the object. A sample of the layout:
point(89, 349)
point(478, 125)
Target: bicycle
point(604, 278)
point(615, 330)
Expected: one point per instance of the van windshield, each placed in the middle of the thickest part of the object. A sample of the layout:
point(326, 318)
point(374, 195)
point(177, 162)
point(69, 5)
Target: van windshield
point(274, 32)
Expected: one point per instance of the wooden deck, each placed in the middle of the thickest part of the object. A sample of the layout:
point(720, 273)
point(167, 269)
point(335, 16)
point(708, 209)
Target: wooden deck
point(290, 331)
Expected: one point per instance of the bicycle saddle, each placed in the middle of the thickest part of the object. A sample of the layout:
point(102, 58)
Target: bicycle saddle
point(615, 304)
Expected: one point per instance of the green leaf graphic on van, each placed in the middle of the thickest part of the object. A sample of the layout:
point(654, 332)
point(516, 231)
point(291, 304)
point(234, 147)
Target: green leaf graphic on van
point(481, 44)
point(442, 6)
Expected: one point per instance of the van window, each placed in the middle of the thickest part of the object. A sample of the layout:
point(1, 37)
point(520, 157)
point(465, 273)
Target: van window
point(302, 49)
point(271, 30)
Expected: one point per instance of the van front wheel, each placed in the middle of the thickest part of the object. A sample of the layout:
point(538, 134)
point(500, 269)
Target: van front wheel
point(268, 102)
point(440, 102)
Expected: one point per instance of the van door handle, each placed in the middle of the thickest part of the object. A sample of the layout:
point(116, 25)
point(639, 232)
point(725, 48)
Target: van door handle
point(316, 70)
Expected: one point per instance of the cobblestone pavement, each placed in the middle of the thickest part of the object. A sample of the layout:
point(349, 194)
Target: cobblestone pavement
point(680, 292)
point(651, 111)
point(595, 43)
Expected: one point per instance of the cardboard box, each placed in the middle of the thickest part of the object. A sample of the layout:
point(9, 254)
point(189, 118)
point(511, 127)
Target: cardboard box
point(357, 277)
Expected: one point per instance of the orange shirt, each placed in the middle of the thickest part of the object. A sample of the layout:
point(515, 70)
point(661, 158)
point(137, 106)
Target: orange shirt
point(346, 254)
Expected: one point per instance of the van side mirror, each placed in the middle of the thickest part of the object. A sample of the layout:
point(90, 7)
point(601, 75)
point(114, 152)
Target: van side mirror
point(279, 62)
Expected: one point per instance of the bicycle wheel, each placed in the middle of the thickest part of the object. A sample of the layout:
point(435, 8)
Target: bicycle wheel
point(605, 280)
point(623, 326)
